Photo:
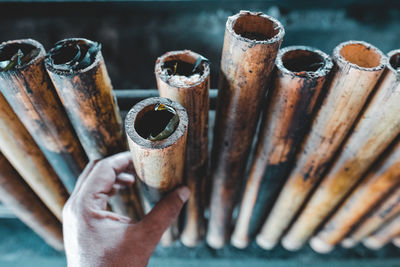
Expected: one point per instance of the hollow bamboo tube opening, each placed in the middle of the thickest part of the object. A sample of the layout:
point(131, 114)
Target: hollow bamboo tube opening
point(184, 76)
point(394, 60)
point(297, 84)
point(256, 27)
point(251, 43)
point(8, 50)
point(330, 127)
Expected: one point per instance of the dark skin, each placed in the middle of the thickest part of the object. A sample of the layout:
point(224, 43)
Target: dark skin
point(96, 237)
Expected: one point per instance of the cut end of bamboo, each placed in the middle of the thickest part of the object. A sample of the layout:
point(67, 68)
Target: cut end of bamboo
point(360, 55)
point(73, 56)
point(182, 69)
point(372, 243)
point(290, 245)
point(348, 243)
point(255, 27)
point(239, 242)
point(396, 242)
point(136, 127)
point(27, 47)
point(303, 62)
point(394, 62)
point(264, 243)
point(319, 246)
point(215, 242)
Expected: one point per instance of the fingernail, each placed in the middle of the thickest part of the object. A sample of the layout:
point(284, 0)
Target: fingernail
point(184, 193)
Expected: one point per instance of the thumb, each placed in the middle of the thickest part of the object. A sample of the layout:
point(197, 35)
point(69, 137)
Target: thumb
point(166, 211)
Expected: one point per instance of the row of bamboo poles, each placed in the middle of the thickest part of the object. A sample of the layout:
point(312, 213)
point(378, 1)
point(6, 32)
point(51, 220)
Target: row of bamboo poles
point(322, 133)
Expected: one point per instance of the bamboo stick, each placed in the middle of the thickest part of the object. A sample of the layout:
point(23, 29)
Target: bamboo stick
point(389, 209)
point(22, 201)
point(358, 67)
point(189, 85)
point(378, 126)
point(383, 235)
point(31, 94)
point(20, 149)
point(159, 164)
point(300, 75)
point(86, 93)
point(251, 43)
point(378, 184)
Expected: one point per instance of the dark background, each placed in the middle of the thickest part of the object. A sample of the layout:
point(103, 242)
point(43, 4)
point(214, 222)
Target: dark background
point(134, 33)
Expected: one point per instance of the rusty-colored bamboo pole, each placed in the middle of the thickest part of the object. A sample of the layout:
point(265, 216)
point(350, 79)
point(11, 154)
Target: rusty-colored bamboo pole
point(378, 184)
point(251, 43)
point(20, 149)
point(189, 86)
point(358, 66)
point(298, 81)
point(158, 164)
point(387, 210)
point(383, 235)
point(86, 93)
point(31, 94)
point(23, 202)
point(378, 126)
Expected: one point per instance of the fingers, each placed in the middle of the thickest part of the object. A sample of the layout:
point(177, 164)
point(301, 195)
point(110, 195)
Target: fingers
point(84, 174)
point(104, 174)
point(103, 214)
point(166, 211)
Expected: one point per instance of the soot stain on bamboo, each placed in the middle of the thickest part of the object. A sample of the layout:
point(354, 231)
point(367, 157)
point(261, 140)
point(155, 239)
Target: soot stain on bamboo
point(235, 118)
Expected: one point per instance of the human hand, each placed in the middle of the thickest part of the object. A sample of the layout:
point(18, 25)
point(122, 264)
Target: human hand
point(94, 236)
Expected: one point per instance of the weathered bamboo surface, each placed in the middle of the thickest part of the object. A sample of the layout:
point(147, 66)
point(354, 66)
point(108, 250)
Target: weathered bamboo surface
point(251, 43)
point(31, 94)
point(376, 129)
point(386, 211)
point(384, 235)
point(18, 197)
point(191, 91)
point(300, 73)
point(20, 149)
point(358, 67)
point(378, 184)
point(88, 98)
point(158, 164)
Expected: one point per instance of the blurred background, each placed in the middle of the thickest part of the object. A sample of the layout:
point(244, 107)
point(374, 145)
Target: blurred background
point(134, 33)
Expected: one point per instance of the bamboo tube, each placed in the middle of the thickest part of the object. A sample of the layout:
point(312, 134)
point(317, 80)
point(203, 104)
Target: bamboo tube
point(300, 75)
point(22, 201)
point(378, 126)
point(158, 164)
point(30, 92)
point(389, 209)
point(383, 235)
point(86, 93)
point(358, 67)
point(396, 241)
point(20, 149)
point(378, 184)
point(251, 43)
point(190, 89)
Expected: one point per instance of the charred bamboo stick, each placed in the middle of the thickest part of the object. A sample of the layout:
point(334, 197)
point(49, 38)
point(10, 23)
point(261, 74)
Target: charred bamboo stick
point(251, 43)
point(378, 126)
point(358, 67)
point(300, 75)
point(389, 209)
point(383, 235)
point(20, 149)
point(184, 77)
point(78, 71)
point(157, 130)
point(31, 94)
point(21, 200)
